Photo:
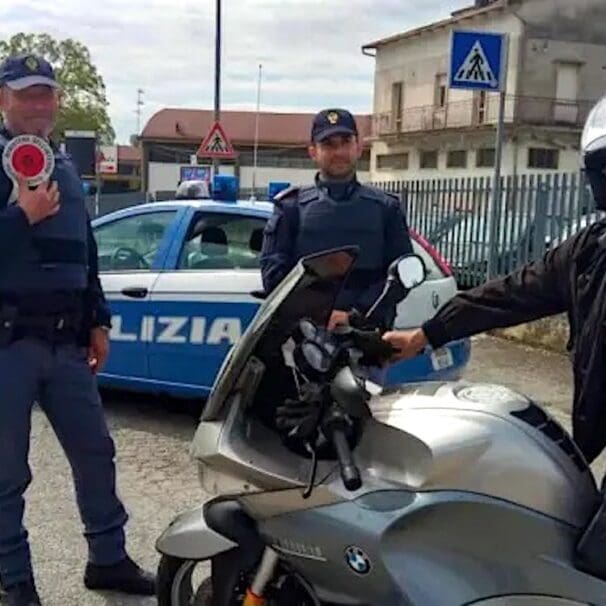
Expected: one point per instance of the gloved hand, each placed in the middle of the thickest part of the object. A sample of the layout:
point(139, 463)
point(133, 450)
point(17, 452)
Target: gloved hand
point(300, 418)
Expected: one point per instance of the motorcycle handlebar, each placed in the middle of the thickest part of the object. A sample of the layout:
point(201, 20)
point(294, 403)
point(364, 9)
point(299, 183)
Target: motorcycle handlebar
point(369, 342)
point(349, 471)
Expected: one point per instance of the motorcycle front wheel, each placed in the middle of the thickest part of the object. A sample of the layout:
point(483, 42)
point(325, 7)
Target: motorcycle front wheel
point(183, 583)
point(189, 583)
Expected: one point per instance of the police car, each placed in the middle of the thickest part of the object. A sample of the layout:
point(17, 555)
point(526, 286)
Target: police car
point(179, 275)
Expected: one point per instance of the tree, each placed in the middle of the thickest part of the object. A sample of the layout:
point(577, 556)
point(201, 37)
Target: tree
point(84, 102)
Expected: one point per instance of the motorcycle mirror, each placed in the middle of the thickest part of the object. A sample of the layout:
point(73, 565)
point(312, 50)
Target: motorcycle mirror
point(409, 270)
point(349, 393)
point(403, 275)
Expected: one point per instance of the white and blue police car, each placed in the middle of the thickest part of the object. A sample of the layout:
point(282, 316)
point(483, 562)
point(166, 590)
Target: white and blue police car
point(179, 275)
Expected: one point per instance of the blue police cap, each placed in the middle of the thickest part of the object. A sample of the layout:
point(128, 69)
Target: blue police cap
point(331, 122)
point(21, 71)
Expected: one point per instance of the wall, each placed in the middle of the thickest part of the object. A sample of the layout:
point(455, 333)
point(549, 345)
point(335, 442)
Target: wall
point(515, 157)
point(164, 176)
point(566, 20)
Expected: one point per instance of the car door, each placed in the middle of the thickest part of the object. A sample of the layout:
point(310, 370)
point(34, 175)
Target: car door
point(130, 249)
point(202, 305)
point(439, 287)
point(420, 305)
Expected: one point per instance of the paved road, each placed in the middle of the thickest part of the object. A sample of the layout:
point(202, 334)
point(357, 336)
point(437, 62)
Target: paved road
point(157, 479)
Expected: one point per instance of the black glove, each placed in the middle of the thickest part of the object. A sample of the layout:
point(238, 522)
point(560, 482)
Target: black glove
point(300, 418)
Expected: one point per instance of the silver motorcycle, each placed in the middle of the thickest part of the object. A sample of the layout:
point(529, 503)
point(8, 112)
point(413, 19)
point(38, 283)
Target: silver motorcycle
point(433, 494)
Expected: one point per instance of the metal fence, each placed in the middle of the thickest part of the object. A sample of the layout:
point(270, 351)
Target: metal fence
point(534, 214)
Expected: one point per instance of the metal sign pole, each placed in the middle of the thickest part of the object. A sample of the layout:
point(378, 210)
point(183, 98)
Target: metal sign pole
point(478, 62)
point(217, 77)
point(496, 191)
point(496, 198)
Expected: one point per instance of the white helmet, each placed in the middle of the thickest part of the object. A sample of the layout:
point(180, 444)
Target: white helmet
point(593, 151)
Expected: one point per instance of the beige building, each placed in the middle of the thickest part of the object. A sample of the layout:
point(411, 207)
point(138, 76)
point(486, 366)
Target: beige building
point(556, 70)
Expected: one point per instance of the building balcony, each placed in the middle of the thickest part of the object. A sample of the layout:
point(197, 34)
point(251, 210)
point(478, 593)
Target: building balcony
point(482, 110)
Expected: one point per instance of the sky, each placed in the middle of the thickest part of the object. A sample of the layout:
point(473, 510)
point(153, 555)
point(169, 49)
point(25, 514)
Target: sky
point(310, 50)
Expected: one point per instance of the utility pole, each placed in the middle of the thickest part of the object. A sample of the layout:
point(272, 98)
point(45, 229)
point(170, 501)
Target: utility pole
point(217, 76)
point(140, 103)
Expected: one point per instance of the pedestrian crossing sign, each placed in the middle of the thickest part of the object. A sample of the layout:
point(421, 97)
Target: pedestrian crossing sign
point(477, 60)
point(216, 144)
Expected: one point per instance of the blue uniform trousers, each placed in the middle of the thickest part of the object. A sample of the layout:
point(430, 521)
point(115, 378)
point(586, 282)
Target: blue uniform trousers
point(59, 379)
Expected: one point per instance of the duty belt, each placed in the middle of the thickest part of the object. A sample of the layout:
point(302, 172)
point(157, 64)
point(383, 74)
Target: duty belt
point(60, 327)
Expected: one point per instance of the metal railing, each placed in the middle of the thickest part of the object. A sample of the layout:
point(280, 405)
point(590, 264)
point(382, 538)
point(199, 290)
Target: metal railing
point(482, 110)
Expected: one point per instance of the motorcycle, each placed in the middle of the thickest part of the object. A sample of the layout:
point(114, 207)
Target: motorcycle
point(433, 494)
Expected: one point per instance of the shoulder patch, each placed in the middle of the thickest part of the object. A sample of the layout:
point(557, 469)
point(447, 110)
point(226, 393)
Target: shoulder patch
point(286, 192)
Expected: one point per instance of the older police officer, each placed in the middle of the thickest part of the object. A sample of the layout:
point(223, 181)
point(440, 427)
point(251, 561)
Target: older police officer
point(337, 210)
point(53, 338)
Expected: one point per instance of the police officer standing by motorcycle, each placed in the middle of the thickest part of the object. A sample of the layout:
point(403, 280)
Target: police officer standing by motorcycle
point(54, 324)
point(337, 210)
point(570, 279)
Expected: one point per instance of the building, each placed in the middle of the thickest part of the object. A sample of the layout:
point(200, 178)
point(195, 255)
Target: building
point(118, 168)
point(171, 138)
point(556, 70)
point(128, 174)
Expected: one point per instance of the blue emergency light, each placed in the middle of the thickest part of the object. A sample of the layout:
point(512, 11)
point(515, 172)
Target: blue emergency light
point(275, 187)
point(225, 188)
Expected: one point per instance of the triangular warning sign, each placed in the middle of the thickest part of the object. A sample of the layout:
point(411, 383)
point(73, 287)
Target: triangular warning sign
point(216, 144)
point(476, 68)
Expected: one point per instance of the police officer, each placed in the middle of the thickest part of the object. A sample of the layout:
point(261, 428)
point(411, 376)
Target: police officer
point(337, 210)
point(54, 324)
point(570, 278)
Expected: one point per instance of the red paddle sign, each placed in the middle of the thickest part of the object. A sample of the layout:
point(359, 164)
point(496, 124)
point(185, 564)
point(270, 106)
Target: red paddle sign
point(28, 156)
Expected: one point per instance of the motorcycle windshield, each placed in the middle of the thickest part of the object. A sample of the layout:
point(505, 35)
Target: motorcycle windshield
point(308, 291)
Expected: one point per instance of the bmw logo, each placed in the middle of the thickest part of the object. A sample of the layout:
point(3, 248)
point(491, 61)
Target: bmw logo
point(357, 560)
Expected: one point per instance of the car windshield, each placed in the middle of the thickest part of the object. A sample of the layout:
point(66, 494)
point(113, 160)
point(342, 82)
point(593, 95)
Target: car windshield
point(309, 291)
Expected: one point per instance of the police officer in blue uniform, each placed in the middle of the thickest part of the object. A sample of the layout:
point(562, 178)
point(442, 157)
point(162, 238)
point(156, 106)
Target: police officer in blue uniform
point(337, 210)
point(54, 324)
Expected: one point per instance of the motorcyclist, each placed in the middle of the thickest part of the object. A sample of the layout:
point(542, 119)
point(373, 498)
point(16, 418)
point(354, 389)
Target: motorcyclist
point(570, 278)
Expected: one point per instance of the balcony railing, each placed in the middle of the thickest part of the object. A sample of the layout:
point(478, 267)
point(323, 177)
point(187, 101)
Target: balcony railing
point(483, 110)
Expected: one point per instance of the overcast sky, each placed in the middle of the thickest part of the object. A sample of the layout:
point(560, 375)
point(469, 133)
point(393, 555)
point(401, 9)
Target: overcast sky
point(310, 49)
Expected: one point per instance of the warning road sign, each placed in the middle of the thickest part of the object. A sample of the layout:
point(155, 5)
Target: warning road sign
point(476, 68)
point(216, 144)
point(477, 61)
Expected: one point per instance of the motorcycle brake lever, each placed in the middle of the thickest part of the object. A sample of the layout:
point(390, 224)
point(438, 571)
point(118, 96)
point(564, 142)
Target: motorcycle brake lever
point(312, 472)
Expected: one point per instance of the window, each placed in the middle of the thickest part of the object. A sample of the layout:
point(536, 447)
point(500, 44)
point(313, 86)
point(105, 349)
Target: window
point(567, 81)
point(222, 241)
point(441, 91)
point(429, 159)
point(277, 158)
point(392, 161)
point(543, 158)
point(131, 244)
point(485, 157)
point(397, 103)
point(457, 159)
point(480, 100)
point(566, 108)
